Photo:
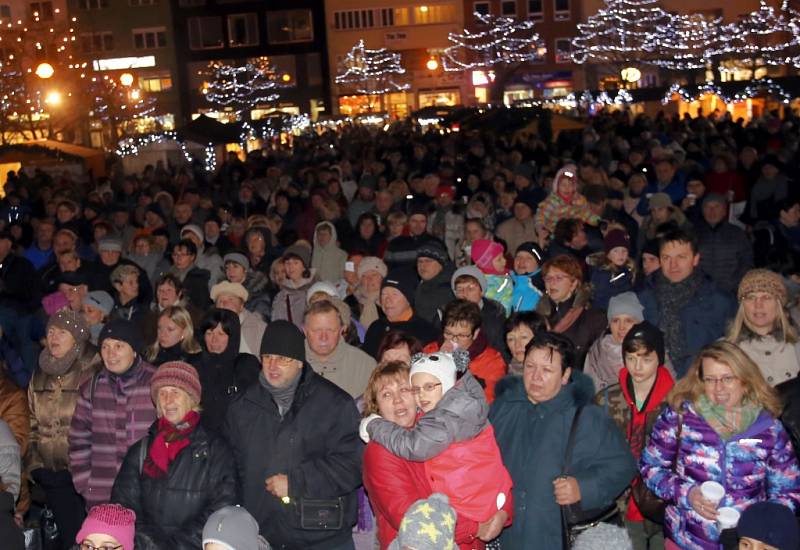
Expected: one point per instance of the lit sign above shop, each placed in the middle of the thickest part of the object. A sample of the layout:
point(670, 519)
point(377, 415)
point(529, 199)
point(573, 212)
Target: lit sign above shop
point(119, 63)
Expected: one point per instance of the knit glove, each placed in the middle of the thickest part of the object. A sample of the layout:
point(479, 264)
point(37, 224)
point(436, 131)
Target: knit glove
point(362, 428)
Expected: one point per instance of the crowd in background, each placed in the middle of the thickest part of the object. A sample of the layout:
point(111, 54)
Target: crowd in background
point(539, 336)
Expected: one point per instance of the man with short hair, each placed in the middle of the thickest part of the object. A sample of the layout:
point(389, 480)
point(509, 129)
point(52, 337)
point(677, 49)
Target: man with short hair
point(295, 441)
point(435, 270)
point(233, 296)
point(521, 227)
point(726, 253)
point(683, 302)
point(402, 250)
point(329, 355)
point(397, 304)
point(114, 410)
point(668, 179)
point(40, 252)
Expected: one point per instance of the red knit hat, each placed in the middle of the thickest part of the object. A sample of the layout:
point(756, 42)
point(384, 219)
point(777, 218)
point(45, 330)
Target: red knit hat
point(179, 375)
point(483, 252)
point(109, 519)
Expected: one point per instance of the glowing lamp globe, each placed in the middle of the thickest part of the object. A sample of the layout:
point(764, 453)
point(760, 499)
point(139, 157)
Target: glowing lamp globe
point(631, 74)
point(126, 79)
point(286, 77)
point(432, 64)
point(45, 70)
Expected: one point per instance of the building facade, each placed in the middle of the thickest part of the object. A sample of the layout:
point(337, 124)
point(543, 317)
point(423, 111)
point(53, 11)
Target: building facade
point(290, 32)
point(417, 31)
point(552, 74)
point(124, 39)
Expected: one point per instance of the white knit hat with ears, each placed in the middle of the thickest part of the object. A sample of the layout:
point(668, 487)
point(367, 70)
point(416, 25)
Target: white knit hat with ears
point(566, 168)
point(444, 366)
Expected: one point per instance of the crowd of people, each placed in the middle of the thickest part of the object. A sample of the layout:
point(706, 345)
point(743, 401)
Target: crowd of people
point(412, 339)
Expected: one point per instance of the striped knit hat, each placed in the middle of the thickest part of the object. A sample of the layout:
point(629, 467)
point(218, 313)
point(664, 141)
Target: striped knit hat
point(179, 375)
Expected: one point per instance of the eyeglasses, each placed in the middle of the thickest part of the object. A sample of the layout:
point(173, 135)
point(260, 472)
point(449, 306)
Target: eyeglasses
point(453, 336)
point(427, 388)
point(555, 278)
point(280, 360)
point(726, 381)
point(89, 546)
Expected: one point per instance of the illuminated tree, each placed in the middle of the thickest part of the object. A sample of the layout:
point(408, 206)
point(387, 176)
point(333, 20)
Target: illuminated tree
point(242, 87)
point(506, 41)
point(371, 72)
point(118, 107)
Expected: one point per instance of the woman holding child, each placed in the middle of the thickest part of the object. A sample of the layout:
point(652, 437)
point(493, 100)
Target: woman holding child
point(394, 483)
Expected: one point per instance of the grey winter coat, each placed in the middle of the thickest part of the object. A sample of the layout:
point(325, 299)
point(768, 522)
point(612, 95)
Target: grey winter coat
point(10, 460)
point(290, 302)
point(460, 415)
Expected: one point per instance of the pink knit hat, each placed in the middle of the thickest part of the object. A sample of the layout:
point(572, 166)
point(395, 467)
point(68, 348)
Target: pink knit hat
point(110, 519)
point(177, 374)
point(483, 252)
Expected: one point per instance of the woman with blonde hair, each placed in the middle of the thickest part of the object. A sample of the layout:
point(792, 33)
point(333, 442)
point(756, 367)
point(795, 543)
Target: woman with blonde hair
point(720, 425)
point(762, 326)
point(175, 340)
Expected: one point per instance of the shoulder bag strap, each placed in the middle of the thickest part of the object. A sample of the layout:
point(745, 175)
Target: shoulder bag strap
point(565, 536)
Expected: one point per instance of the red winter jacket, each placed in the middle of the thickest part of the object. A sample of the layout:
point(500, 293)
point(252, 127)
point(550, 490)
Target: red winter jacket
point(393, 484)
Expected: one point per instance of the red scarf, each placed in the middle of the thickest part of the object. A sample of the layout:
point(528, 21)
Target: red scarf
point(169, 441)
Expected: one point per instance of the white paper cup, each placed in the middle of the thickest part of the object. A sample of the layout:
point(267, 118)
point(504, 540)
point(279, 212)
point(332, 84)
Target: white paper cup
point(728, 518)
point(712, 491)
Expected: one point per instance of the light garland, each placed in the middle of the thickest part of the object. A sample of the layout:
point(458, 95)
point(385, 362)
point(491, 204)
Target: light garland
point(241, 87)
point(294, 124)
point(506, 40)
point(113, 103)
point(372, 72)
point(686, 41)
point(132, 145)
point(211, 158)
point(753, 89)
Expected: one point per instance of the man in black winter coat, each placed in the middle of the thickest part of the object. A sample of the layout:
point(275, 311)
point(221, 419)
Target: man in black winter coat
point(294, 438)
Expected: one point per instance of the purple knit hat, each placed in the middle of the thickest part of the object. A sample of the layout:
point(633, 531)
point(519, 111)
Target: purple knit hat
point(177, 374)
point(110, 519)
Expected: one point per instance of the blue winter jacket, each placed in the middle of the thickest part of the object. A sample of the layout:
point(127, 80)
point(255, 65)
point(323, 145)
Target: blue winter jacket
point(526, 294)
point(704, 318)
point(607, 284)
point(533, 440)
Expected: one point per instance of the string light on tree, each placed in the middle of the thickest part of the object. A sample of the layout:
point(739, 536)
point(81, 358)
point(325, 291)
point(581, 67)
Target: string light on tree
point(372, 72)
point(504, 42)
point(241, 88)
point(622, 31)
point(685, 42)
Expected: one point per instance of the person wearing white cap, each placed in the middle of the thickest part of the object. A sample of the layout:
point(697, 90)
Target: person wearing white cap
point(366, 296)
point(232, 528)
point(233, 296)
point(206, 259)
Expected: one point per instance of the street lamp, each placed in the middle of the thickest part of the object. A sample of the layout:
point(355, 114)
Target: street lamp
point(44, 70)
point(126, 79)
point(135, 95)
point(631, 74)
point(432, 64)
point(53, 98)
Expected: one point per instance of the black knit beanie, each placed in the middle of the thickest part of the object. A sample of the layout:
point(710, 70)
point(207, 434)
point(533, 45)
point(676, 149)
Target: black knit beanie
point(285, 339)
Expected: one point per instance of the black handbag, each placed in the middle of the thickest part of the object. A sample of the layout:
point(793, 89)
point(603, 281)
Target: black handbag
point(320, 514)
point(574, 519)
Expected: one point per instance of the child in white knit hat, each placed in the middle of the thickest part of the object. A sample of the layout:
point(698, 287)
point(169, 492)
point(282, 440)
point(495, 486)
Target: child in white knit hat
point(453, 437)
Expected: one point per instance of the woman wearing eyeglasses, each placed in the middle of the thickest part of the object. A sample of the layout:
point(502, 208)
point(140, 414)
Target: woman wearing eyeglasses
point(567, 305)
point(762, 327)
point(721, 425)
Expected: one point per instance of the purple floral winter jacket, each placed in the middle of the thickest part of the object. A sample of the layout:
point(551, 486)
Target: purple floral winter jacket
point(758, 464)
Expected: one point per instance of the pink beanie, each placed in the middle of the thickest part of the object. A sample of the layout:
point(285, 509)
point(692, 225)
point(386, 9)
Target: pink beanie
point(110, 519)
point(483, 252)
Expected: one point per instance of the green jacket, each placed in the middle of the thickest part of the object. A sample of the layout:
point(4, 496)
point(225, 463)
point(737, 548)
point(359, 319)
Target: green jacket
point(533, 439)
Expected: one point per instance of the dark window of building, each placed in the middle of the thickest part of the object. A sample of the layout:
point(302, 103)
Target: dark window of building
point(205, 33)
point(5, 11)
point(509, 8)
point(44, 10)
point(284, 27)
point(481, 7)
point(242, 30)
point(535, 8)
point(563, 50)
point(562, 9)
